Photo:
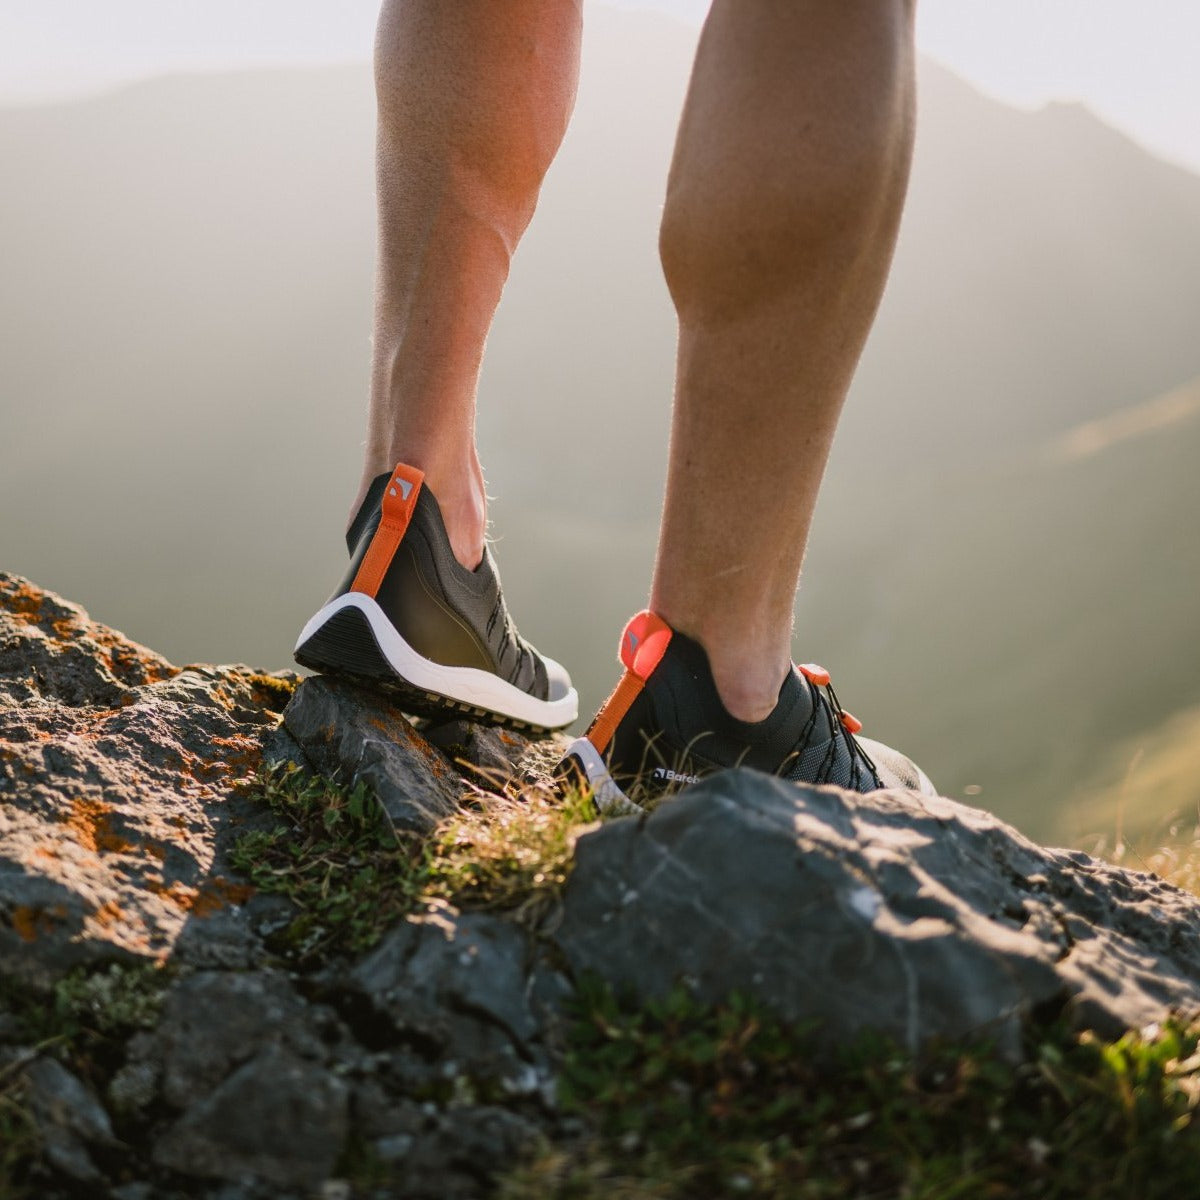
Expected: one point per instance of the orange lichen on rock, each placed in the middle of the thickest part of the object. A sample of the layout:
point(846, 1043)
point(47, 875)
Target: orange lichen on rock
point(90, 822)
point(245, 754)
point(29, 922)
point(109, 913)
point(271, 691)
point(212, 896)
point(23, 600)
point(177, 893)
point(218, 893)
point(25, 921)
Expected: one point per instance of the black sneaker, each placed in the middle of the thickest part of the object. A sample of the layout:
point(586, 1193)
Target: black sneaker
point(665, 726)
point(410, 619)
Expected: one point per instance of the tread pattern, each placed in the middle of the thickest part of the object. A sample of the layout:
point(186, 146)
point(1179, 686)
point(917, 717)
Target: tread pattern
point(345, 647)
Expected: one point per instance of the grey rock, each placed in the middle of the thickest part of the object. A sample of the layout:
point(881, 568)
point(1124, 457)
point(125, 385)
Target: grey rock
point(133, 1191)
point(915, 916)
point(213, 1021)
point(358, 737)
point(281, 749)
point(278, 1118)
point(491, 755)
point(133, 1087)
point(458, 983)
point(69, 1118)
point(378, 1113)
point(393, 1146)
point(464, 1151)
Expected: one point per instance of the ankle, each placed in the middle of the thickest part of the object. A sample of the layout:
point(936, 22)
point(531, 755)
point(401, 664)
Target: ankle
point(748, 693)
point(459, 491)
point(748, 674)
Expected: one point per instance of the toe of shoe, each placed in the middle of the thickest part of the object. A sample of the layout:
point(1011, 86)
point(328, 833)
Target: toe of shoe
point(897, 770)
point(558, 682)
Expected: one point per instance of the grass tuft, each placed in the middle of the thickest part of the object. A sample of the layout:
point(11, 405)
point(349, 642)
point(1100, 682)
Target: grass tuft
point(336, 859)
point(509, 854)
point(686, 1100)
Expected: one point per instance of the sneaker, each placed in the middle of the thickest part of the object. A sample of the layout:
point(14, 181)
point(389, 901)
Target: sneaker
point(409, 618)
point(665, 726)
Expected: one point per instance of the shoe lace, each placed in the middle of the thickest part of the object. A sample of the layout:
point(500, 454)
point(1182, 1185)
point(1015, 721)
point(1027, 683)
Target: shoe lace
point(509, 639)
point(843, 726)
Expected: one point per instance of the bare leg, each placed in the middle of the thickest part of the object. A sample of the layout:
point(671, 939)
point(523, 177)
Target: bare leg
point(474, 98)
point(782, 208)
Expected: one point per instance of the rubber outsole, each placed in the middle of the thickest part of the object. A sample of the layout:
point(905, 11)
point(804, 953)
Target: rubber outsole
point(344, 640)
point(582, 760)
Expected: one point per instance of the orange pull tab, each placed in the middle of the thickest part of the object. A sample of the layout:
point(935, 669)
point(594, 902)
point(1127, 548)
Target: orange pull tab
point(643, 643)
point(400, 497)
point(851, 723)
point(399, 500)
point(814, 673)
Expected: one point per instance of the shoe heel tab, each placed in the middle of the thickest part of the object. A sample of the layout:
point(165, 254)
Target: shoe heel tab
point(643, 643)
point(400, 495)
point(397, 505)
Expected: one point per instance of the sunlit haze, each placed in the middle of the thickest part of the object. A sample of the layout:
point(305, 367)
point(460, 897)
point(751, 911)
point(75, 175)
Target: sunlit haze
point(1134, 65)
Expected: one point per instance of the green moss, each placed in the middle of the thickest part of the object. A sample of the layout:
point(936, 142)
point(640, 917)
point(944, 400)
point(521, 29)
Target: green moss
point(273, 691)
point(85, 1021)
point(684, 1100)
point(335, 858)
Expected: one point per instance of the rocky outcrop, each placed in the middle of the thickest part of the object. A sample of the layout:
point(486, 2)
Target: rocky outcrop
point(238, 1072)
point(918, 917)
point(119, 777)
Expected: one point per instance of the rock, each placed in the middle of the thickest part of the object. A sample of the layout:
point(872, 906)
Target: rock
point(463, 1151)
point(918, 917)
point(460, 983)
point(122, 779)
point(133, 1087)
point(358, 737)
point(69, 1118)
point(122, 776)
point(119, 774)
point(214, 1021)
point(278, 1118)
point(495, 759)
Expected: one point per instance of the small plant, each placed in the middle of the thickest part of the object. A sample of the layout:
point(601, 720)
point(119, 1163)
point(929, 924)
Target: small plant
point(509, 854)
point(85, 1022)
point(351, 879)
point(334, 858)
point(688, 1100)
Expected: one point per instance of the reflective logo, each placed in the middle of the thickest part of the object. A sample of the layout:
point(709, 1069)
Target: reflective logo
point(665, 773)
point(404, 486)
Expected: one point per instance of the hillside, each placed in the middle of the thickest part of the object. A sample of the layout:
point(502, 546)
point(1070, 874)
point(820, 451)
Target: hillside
point(185, 305)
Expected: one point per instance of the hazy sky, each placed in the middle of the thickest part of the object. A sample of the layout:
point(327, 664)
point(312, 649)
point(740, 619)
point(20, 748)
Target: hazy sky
point(1135, 64)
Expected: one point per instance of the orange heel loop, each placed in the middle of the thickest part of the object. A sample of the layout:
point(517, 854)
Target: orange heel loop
point(399, 500)
point(643, 643)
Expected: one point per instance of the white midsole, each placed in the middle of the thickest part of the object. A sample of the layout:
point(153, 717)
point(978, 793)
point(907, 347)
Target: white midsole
point(607, 796)
point(469, 685)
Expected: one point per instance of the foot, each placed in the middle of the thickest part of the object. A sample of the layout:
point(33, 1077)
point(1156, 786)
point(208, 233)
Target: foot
point(665, 726)
point(409, 618)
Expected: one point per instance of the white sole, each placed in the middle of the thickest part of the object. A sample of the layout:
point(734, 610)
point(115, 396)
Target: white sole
point(463, 685)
